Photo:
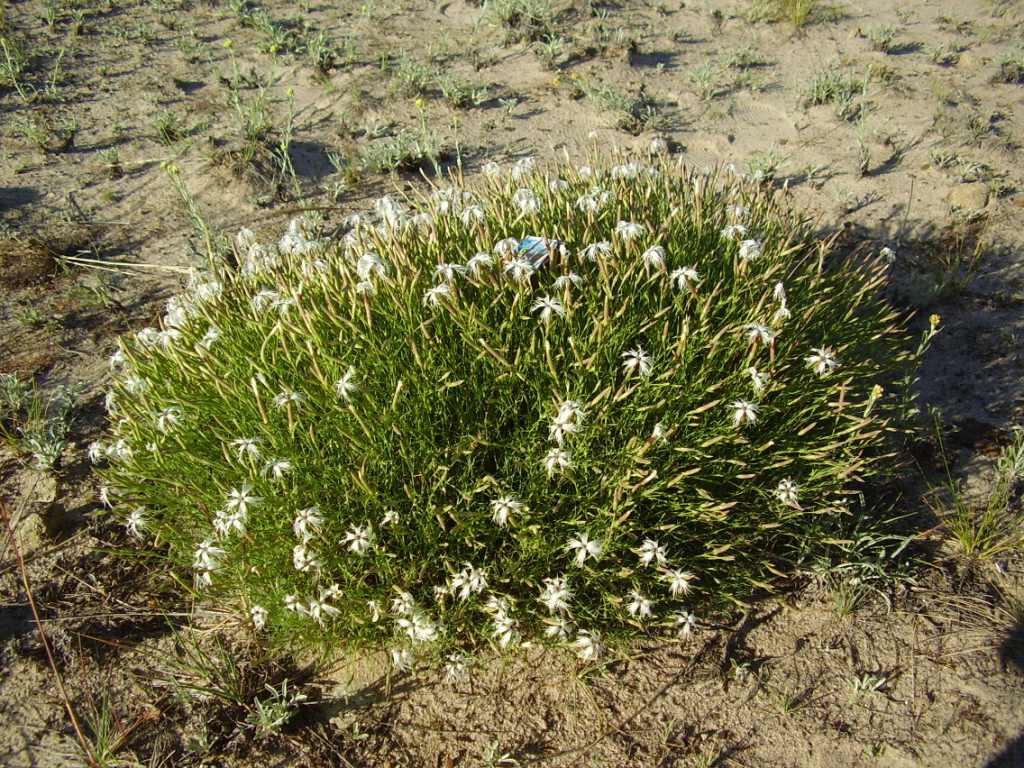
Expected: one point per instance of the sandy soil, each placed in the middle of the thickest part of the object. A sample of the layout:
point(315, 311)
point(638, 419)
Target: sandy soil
point(920, 668)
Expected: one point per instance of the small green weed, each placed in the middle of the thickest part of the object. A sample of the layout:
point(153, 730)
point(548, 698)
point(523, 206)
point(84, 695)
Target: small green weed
point(798, 13)
point(993, 527)
point(838, 87)
point(633, 113)
point(881, 37)
point(35, 423)
point(1011, 67)
point(523, 20)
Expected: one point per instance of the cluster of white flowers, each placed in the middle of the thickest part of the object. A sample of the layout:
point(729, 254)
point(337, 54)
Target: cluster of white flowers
point(526, 262)
point(119, 450)
point(505, 629)
point(469, 581)
point(205, 561)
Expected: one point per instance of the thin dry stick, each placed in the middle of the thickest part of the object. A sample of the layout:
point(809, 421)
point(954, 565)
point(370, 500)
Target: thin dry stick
point(83, 742)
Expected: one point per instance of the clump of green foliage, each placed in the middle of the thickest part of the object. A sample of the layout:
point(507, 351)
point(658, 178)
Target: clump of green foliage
point(1011, 67)
point(566, 405)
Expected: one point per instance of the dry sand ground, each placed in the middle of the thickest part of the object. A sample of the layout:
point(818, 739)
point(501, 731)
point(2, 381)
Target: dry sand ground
point(926, 160)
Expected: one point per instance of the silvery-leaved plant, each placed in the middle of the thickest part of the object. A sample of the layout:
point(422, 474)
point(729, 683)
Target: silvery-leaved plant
point(566, 406)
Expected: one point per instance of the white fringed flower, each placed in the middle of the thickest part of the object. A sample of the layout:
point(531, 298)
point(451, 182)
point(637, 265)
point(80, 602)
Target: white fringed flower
point(520, 269)
point(402, 604)
point(478, 263)
point(759, 334)
point(455, 667)
point(265, 299)
point(505, 506)
point(284, 397)
point(525, 201)
point(505, 630)
point(788, 492)
point(276, 469)
point(293, 604)
point(628, 230)
point(472, 215)
point(685, 623)
point(241, 499)
point(390, 518)
point(258, 615)
point(402, 659)
point(119, 450)
point(678, 581)
point(596, 251)
point(750, 250)
point(168, 418)
point(374, 608)
point(469, 581)
point(568, 280)
point(822, 361)
point(118, 361)
point(685, 278)
point(583, 547)
point(419, 627)
point(567, 421)
point(652, 553)
point(636, 361)
point(136, 522)
point(320, 609)
point(639, 606)
point(207, 556)
point(588, 645)
point(758, 380)
point(211, 336)
point(556, 628)
point(225, 521)
point(548, 308)
point(507, 247)
point(304, 559)
point(556, 594)
point(447, 272)
point(654, 258)
point(345, 386)
point(370, 265)
point(307, 523)
point(743, 412)
point(434, 296)
point(522, 167)
point(247, 448)
point(556, 461)
point(733, 231)
point(359, 539)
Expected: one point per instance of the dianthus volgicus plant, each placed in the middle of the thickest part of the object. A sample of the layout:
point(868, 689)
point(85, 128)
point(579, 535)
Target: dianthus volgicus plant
point(569, 405)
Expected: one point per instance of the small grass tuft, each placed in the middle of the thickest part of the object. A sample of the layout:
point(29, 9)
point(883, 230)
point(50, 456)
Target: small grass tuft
point(992, 527)
point(1011, 67)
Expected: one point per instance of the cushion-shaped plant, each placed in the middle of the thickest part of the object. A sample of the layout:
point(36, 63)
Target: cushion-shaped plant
point(566, 405)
